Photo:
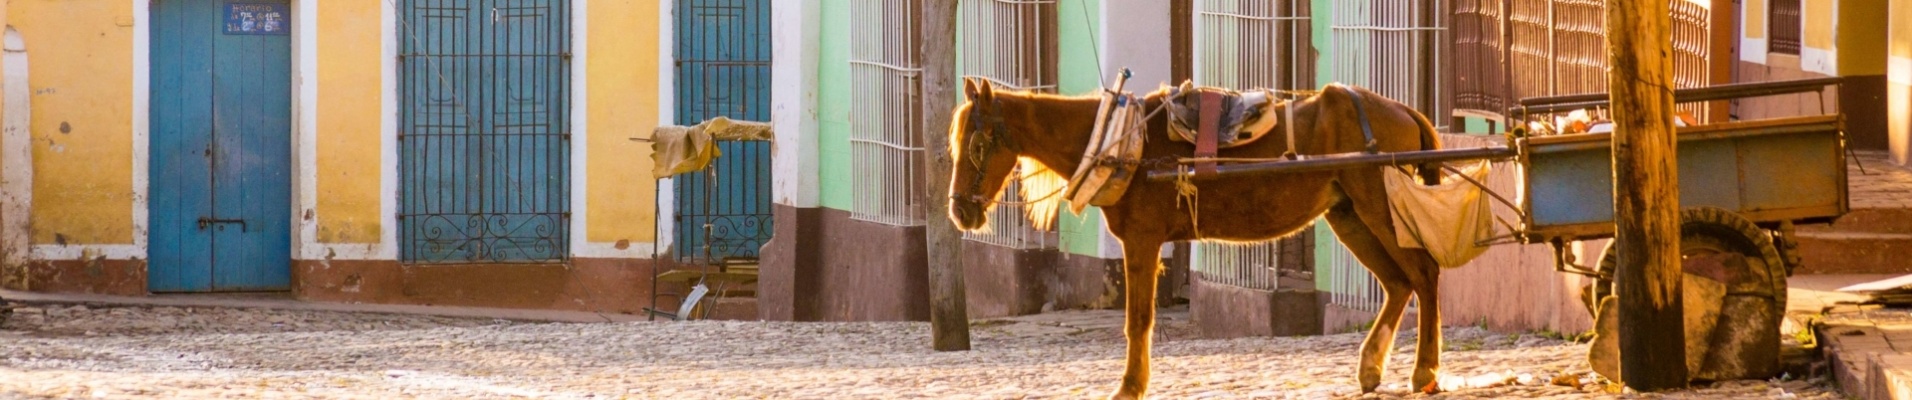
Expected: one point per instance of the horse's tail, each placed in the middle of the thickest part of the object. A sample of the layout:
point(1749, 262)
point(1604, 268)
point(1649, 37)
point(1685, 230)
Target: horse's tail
point(1430, 172)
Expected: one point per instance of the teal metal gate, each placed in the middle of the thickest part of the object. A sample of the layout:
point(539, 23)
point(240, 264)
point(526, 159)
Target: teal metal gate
point(484, 130)
point(723, 69)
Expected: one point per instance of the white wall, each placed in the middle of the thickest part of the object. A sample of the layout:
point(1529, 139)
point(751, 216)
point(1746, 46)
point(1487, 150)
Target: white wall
point(793, 102)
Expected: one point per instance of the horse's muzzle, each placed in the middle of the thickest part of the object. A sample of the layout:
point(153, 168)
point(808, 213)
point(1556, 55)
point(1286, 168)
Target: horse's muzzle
point(966, 213)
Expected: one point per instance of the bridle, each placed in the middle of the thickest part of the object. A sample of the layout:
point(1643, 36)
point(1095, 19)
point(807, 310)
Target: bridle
point(984, 139)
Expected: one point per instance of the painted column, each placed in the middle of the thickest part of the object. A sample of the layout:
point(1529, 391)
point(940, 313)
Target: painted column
point(791, 258)
point(1899, 76)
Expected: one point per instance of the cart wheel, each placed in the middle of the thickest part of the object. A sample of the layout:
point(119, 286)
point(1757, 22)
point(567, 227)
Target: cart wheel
point(1745, 343)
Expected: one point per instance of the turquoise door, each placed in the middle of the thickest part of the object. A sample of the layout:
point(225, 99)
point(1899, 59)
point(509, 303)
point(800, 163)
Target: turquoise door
point(723, 69)
point(220, 192)
point(484, 130)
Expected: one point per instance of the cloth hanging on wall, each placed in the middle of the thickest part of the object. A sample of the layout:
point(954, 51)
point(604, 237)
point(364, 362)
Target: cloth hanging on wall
point(681, 149)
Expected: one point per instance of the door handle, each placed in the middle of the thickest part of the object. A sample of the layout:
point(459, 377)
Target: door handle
point(205, 222)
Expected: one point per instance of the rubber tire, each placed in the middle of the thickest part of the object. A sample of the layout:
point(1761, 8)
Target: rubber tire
point(1715, 229)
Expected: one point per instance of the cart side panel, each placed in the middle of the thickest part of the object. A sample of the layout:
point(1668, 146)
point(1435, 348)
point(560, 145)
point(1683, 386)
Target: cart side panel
point(1571, 187)
point(1576, 186)
point(1796, 171)
point(1765, 171)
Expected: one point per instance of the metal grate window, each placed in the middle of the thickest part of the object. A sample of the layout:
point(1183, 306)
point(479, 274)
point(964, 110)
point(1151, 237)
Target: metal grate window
point(1477, 44)
point(484, 130)
point(1784, 27)
point(1012, 43)
point(722, 50)
point(1349, 285)
point(1558, 47)
point(1397, 49)
point(1248, 44)
point(885, 85)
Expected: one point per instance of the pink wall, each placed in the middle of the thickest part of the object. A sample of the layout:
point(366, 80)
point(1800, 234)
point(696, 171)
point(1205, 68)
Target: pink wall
point(1513, 287)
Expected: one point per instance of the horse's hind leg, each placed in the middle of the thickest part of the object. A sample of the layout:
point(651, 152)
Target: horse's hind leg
point(1373, 254)
point(1415, 267)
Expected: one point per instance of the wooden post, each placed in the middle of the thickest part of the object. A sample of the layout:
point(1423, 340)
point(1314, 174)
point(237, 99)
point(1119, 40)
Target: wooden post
point(949, 313)
point(1646, 195)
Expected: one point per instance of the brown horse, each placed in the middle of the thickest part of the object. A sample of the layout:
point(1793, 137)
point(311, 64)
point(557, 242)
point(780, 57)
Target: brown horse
point(997, 130)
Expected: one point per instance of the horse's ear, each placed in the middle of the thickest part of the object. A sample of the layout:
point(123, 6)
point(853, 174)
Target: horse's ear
point(969, 89)
point(984, 92)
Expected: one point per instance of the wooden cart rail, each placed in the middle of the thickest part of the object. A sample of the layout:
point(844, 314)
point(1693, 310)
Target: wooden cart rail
point(1565, 103)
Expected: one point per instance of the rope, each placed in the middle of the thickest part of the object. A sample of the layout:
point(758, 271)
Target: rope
point(1185, 191)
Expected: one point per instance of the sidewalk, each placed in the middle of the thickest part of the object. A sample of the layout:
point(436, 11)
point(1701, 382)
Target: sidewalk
point(1868, 348)
point(286, 302)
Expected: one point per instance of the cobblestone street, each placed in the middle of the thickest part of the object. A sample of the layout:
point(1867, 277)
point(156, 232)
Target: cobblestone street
point(139, 352)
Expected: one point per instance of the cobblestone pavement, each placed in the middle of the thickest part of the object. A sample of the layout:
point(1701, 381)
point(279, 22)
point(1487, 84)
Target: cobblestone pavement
point(136, 352)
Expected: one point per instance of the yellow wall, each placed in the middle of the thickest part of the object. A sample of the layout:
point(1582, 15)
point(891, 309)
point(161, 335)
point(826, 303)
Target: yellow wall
point(621, 70)
point(1756, 19)
point(82, 82)
point(1818, 20)
point(1862, 37)
point(1901, 17)
point(350, 40)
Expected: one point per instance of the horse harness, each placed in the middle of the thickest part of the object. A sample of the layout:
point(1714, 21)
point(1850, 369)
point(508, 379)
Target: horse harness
point(1208, 136)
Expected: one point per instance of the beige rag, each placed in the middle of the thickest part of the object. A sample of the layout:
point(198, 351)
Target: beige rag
point(681, 149)
point(1449, 220)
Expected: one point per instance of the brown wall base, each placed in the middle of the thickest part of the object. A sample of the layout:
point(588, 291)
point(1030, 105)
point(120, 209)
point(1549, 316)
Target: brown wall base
point(824, 266)
point(586, 284)
point(1082, 281)
point(96, 276)
point(1224, 311)
point(1001, 281)
point(789, 264)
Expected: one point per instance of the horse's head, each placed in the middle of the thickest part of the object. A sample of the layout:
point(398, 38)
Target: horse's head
point(985, 153)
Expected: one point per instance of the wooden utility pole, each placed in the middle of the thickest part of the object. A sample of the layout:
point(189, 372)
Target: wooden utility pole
point(1646, 196)
point(948, 305)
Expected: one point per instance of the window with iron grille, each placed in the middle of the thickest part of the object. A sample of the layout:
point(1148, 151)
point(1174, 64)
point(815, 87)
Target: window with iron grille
point(885, 119)
point(484, 141)
point(1245, 44)
point(1248, 44)
point(1784, 26)
point(1011, 43)
point(1397, 49)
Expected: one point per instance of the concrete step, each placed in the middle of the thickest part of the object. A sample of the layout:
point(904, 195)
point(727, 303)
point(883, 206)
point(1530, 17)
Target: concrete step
point(1847, 252)
point(1868, 220)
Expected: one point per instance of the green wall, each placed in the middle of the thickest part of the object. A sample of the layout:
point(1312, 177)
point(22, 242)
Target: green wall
point(833, 105)
point(1078, 34)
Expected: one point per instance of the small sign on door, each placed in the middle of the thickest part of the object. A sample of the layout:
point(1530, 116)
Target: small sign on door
point(257, 19)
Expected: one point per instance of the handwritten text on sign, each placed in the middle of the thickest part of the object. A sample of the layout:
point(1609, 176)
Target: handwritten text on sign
point(257, 19)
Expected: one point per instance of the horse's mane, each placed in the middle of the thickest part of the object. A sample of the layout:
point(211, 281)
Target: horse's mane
point(1038, 181)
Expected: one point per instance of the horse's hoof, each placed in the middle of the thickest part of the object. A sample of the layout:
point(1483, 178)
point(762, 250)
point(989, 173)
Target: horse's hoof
point(1430, 387)
point(1124, 396)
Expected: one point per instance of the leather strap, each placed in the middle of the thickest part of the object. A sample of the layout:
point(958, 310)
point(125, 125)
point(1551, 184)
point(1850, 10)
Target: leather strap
point(1361, 112)
point(1288, 122)
point(1206, 137)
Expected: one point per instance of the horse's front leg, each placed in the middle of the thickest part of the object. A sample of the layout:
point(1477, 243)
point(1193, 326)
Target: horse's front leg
point(1142, 266)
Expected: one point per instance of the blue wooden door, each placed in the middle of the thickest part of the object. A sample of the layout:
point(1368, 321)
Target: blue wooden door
point(723, 69)
point(484, 136)
point(220, 194)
